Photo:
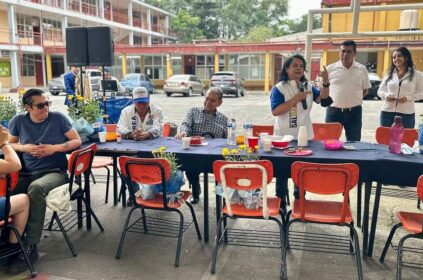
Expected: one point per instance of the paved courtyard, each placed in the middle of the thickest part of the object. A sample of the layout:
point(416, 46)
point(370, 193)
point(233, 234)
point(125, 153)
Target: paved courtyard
point(147, 257)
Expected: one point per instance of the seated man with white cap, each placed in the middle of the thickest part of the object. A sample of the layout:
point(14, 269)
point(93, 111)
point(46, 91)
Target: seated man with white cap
point(141, 120)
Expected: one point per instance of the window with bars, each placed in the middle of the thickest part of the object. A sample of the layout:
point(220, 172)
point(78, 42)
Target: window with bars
point(52, 30)
point(205, 65)
point(24, 26)
point(155, 67)
point(28, 65)
point(248, 66)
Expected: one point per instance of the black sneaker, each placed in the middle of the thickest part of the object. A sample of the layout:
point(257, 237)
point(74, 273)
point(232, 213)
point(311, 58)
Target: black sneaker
point(19, 264)
point(129, 202)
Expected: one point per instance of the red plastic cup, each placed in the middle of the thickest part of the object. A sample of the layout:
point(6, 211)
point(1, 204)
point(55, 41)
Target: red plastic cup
point(252, 141)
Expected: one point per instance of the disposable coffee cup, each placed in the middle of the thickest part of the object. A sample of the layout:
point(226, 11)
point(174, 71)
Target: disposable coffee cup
point(267, 144)
point(186, 141)
point(102, 135)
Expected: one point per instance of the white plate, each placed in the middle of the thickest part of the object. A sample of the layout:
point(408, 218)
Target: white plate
point(202, 144)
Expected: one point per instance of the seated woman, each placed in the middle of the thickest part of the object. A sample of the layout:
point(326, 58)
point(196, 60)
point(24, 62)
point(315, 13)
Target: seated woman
point(19, 204)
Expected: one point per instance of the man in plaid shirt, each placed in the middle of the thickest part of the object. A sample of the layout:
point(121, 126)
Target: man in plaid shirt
point(204, 121)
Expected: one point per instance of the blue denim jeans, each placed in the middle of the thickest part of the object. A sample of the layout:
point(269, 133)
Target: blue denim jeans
point(282, 189)
point(387, 119)
point(350, 119)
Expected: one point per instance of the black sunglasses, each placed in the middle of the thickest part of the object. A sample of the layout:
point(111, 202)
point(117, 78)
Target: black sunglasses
point(42, 105)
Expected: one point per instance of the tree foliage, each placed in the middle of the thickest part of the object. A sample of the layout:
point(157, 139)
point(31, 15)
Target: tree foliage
point(231, 19)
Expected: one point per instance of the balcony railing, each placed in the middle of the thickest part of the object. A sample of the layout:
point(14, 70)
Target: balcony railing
point(51, 3)
point(348, 2)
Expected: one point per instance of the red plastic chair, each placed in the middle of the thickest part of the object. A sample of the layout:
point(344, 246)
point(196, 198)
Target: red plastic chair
point(246, 176)
point(327, 131)
point(383, 135)
point(7, 185)
point(259, 128)
point(413, 224)
point(151, 172)
point(79, 163)
point(325, 179)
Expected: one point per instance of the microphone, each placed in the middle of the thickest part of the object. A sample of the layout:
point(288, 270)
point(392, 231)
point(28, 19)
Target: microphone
point(302, 86)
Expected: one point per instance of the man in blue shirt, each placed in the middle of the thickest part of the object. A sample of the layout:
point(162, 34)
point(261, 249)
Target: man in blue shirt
point(70, 79)
point(43, 138)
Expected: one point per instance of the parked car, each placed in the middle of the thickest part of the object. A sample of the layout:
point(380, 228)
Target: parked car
point(375, 82)
point(133, 80)
point(185, 84)
point(57, 85)
point(229, 82)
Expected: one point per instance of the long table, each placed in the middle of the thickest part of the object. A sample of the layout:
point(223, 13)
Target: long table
point(375, 162)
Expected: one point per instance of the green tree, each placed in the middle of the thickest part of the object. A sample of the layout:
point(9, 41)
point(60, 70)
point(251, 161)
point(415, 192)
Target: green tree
point(258, 34)
point(186, 27)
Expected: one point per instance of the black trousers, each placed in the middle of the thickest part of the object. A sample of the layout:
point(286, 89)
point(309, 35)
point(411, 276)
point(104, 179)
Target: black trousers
point(194, 181)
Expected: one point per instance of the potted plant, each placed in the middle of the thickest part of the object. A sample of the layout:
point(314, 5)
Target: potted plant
point(7, 110)
point(86, 115)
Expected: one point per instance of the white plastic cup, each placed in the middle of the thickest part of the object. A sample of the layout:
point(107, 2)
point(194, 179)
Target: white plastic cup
point(186, 141)
point(102, 135)
point(267, 144)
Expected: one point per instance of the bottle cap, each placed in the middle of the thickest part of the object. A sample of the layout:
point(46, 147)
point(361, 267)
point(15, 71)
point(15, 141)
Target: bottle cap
point(398, 120)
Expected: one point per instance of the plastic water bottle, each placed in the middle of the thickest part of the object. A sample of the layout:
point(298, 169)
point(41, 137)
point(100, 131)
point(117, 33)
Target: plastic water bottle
point(248, 131)
point(397, 130)
point(421, 131)
point(231, 140)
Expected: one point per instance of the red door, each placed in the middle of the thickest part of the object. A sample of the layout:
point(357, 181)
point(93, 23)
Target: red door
point(39, 81)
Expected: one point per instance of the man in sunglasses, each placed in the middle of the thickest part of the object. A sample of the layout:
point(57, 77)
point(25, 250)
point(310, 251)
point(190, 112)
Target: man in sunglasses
point(42, 138)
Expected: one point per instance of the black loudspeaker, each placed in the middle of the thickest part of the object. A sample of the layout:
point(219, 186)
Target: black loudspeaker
point(100, 46)
point(76, 46)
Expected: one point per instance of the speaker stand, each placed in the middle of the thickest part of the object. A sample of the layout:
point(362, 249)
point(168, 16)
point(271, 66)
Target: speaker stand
point(81, 84)
point(105, 117)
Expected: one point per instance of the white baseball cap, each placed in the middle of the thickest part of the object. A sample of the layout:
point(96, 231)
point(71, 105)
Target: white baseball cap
point(140, 94)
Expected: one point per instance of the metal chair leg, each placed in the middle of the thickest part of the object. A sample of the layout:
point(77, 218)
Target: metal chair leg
point(65, 235)
point(283, 270)
point(92, 177)
point(89, 209)
point(25, 254)
point(399, 256)
point(357, 252)
point(194, 219)
point(122, 237)
point(107, 184)
point(144, 220)
point(50, 225)
point(216, 245)
point(388, 241)
point(180, 235)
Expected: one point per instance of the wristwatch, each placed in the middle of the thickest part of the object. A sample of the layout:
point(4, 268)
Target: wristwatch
point(326, 84)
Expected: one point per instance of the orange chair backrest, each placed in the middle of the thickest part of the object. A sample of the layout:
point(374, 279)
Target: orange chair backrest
point(420, 188)
point(81, 160)
point(324, 178)
point(259, 128)
point(110, 127)
point(327, 131)
point(166, 130)
point(13, 179)
point(149, 171)
point(245, 176)
point(383, 135)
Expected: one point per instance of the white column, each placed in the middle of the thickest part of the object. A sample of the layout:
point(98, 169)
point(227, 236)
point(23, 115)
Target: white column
point(43, 60)
point(65, 5)
point(64, 26)
point(14, 61)
point(149, 20)
point(167, 25)
point(131, 38)
point(101, 8)
point(149, 40)
point(130, 22)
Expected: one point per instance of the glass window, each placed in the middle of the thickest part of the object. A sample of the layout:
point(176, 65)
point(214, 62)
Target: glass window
point(28, 65)
point(24, 26)
point(248, 66)
point(155, 67)
point(52, 30)
point(204, 66)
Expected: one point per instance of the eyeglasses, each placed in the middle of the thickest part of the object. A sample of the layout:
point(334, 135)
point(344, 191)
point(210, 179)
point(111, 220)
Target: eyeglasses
point(42, 105)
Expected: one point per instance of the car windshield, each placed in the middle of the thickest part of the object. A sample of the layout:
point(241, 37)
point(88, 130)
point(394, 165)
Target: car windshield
point(223, 74)
point(178, 78)
point(131, 77)
point(95, 74)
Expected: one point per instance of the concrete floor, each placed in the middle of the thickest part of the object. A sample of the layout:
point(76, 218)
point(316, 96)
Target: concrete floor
point(152, 257)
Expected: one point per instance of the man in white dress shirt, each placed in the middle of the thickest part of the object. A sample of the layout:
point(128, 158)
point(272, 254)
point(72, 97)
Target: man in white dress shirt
point(348, 84)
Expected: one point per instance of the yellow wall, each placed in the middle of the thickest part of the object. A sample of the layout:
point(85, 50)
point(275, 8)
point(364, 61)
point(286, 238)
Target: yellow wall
point(417, 59)
point(369, 21)
point(6, 82)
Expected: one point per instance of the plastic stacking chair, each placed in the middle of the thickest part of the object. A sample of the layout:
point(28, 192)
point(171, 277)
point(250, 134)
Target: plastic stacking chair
point(327, 131)
point(7, 184)
point(383, 136)
point(259, 128)
point(79, 163)
point(325, 179)
point(247, 176)
point(150, 172)
point(413, 224)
